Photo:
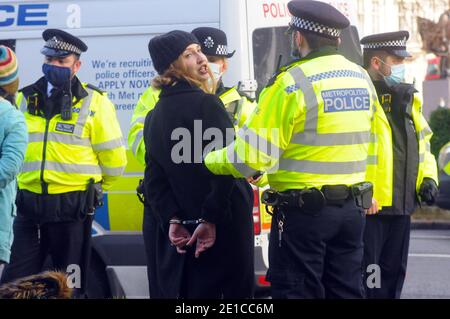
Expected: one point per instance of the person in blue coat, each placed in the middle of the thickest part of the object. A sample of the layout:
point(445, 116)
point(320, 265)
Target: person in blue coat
point(13, 143)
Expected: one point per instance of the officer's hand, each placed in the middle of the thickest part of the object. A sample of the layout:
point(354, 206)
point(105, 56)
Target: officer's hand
point(205, 235)
point(179, 237)
point(374, 208)
point(428, 191)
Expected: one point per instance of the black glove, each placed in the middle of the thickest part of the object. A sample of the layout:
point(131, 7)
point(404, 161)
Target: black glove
point(428, 191)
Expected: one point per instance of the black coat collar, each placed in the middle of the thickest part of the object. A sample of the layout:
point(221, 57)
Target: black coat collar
point(180, 87)
point(40, 87)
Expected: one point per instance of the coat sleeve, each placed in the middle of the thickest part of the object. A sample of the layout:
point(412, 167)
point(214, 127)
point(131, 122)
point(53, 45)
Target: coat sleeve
point(13, 147)
point(106, 139)
point(271, 125)
point(215, 205)
point(158, 192)
point(429, 161)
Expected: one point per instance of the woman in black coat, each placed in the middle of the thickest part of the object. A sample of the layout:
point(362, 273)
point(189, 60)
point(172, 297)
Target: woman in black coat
point(207, 219)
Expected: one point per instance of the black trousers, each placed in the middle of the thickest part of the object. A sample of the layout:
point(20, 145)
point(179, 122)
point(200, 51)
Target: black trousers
point(63, 241)
point(47, 225)
point(151, 235)
point(320, 255)
point(386, 245)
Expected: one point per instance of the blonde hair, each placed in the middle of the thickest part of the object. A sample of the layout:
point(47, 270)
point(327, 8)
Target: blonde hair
point(177, 71)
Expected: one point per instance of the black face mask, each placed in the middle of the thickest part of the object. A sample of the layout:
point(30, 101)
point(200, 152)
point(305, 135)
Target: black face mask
point(58, 76)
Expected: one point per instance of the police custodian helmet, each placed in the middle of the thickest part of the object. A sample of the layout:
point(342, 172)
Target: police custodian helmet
point(213, 41)
point(391, 42)
point(317, 17)
point(61, 44)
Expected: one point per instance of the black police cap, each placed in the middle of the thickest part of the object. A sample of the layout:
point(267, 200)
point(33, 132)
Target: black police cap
point(392, 42)
point(317, 17)
point(60, 43)
point(213, 41)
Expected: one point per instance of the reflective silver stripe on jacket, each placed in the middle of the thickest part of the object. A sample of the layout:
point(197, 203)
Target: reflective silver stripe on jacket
point(109, 145)
point(331, 139)
point(23, 104)
point(60, 138)
point(236, 161)
point(84, 113)
point(314, 167)
point(140, 119)
point(137, 141)
point(310, 136)
point(62, 167)
point(424, 132)
point(421, 157)
point(372, 90)
point(372, 160)
point(112, 171)
point(258, 142)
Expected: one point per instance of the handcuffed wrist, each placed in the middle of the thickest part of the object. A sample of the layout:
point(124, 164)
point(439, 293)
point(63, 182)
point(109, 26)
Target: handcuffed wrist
point(175, 221)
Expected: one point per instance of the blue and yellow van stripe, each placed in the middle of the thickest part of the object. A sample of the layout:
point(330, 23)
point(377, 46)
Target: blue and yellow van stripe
point(122, 210)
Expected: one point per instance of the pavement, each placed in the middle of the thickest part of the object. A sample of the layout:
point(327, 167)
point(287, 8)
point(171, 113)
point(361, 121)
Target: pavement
point(428, 272)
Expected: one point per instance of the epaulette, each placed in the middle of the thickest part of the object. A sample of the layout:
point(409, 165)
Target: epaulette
point(246, 95)
point(28, 90)
point(93, 87)
point(279, 71)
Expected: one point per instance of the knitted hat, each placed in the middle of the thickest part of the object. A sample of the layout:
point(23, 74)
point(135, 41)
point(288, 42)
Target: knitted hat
point(166, 48)
point(9, 77)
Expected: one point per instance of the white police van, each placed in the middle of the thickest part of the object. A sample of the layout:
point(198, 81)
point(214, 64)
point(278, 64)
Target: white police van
point(117, 61)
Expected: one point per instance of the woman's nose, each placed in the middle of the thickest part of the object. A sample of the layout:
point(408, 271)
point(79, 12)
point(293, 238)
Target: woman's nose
point(201, 58)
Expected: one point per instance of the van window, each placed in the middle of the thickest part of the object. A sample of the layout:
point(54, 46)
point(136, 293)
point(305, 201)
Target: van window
point(268, 45)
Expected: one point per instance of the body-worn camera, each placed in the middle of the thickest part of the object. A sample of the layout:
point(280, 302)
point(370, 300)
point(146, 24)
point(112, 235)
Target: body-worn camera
point(363, 193)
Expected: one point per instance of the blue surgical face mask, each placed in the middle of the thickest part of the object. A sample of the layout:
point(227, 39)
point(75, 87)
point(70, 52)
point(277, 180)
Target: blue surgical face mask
point(397, 75)
point(58, 76)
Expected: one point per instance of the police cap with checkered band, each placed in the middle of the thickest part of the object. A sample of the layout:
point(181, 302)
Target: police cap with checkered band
point(391, 42)
point(317, 17)
point(213, 41)
point(61, 44)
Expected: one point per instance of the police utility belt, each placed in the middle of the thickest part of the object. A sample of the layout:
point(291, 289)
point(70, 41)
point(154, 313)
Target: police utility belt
point(313, 200)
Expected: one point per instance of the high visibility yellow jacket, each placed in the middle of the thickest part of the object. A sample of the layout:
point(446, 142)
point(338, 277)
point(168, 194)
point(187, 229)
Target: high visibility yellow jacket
point(312, 127)
point(62, 155)
point(146, 103)
point(238, 106)
point(382, 172)
point(444, 159)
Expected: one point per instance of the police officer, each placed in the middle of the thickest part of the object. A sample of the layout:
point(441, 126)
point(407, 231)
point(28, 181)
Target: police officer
point(214, 45)
point(444, 159)
point(443, 200)
point(238, 105)
point(311, 133)
point(75, 142)
point(409, 174)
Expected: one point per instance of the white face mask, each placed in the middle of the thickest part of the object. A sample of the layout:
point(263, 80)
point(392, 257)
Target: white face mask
point(216, 70)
